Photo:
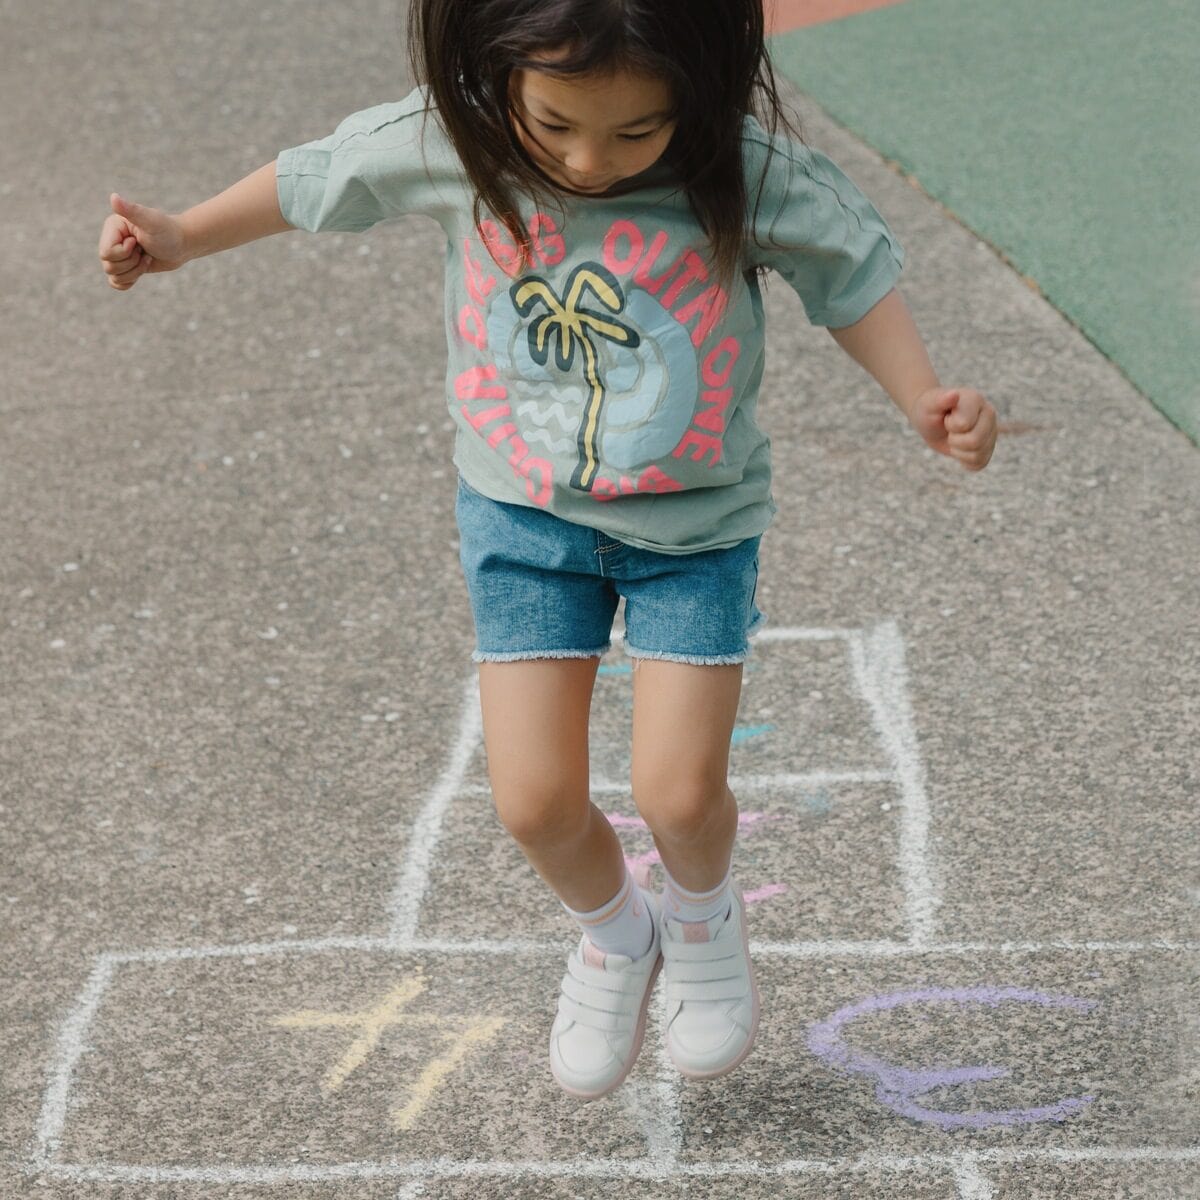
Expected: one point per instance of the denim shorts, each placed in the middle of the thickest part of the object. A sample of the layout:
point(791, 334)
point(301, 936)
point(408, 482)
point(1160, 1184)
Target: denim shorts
point(542, 587)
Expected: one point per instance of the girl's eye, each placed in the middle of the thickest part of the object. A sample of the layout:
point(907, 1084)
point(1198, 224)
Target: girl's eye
point(626, 137)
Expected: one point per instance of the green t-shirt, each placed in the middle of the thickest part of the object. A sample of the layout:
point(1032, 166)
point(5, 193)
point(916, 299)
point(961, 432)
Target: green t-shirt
point(607, 381)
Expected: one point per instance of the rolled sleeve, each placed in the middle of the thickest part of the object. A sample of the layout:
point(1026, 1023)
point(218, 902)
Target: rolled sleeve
point(829, 241)
point(368, 170)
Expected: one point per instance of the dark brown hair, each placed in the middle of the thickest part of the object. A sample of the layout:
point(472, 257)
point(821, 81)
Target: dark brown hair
point(710, 53)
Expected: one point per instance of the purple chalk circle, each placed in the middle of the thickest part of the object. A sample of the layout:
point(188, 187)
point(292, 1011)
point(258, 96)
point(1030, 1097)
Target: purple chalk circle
point(900, 1087)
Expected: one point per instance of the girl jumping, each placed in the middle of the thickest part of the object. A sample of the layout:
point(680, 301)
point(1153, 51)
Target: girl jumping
point(611, 182)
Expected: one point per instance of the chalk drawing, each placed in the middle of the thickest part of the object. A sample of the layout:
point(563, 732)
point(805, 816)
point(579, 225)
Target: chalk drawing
point(461, 1032)
point(640, 864)
point(743, 733)
point(899, 1087)
point(876, 663)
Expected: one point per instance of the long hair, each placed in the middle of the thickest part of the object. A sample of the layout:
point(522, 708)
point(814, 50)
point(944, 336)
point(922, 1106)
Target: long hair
point(710, 53)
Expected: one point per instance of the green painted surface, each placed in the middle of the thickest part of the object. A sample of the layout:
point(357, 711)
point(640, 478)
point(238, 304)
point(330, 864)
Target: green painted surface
point(1062, 132)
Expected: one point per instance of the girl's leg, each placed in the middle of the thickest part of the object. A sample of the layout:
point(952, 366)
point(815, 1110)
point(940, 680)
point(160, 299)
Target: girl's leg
point(683, 718)
point(535, 728)
point(682, 723)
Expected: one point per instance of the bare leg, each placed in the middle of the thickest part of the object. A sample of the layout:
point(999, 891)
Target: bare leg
point(683, 718)
point(535, 725)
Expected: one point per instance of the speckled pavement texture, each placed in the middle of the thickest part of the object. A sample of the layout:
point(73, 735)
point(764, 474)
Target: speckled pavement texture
point(244, 814)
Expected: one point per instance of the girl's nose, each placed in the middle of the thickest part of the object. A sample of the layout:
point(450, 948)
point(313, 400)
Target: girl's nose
point(587, 162)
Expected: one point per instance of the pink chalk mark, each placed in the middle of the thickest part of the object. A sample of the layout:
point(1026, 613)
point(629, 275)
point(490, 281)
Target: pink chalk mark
point(745, 819)
point(639, 864)
point(783, 15)
point(764, 893)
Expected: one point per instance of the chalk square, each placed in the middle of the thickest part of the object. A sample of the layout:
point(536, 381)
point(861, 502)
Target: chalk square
point(825, 724)
point(814, 861)
point(226, 1052)
point(868, 1054)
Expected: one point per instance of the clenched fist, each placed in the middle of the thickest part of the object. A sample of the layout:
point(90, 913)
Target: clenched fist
point(957, 422)
point(136, 240)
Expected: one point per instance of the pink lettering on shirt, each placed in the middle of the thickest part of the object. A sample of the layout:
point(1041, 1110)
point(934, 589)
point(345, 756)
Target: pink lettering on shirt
point(652, 479)
point(642, 275)
point(713, 418)
point(501, 248)
point(703, 445)
point(470, 326)
point(552, 249)
point(469, 385)
point(478, 284)
point(622, 264)
point(694, 269)
point(711, 303)
point(478, 420)
point(716, 376)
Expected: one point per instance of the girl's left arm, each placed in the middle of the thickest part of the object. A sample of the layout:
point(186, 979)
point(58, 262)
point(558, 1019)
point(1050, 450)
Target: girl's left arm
point(957, 422)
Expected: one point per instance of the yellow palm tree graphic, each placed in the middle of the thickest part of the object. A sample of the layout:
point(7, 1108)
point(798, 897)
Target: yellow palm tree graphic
point(575, 325)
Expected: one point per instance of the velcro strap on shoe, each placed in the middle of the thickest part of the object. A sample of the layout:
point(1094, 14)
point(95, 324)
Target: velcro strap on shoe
point(688, 952)
point(606, 1001)
point(596, 978)
point(709, 990)
point(610, 1022)
point(721, 968)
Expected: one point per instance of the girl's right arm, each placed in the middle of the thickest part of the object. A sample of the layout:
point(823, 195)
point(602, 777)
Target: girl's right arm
point(136, 239)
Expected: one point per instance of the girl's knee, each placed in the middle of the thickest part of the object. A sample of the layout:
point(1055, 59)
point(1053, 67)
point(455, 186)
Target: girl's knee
point(541, 815)
point(680, 810)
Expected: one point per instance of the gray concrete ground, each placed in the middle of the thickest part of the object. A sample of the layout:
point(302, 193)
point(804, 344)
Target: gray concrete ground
point(245, 813)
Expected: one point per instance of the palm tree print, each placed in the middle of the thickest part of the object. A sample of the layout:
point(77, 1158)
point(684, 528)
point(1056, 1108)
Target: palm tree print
point(574, 326)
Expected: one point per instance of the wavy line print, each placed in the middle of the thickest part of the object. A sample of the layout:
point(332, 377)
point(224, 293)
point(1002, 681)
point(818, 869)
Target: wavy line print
point(561, 446)
point(544, 415)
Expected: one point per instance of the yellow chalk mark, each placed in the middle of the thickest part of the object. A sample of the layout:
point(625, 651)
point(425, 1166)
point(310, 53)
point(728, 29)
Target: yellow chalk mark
point(478, 1030)
point(464, 1033)
point(373, 1021)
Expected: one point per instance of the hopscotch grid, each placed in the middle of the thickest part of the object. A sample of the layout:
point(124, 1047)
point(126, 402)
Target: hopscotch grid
point(877, 664)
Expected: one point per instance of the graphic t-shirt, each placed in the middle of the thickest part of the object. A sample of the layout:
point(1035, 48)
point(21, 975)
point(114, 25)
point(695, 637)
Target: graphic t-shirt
point(607, 379)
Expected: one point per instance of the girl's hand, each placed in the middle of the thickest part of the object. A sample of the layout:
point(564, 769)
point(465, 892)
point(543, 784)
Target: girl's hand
point(137, 240)
point(957, 422)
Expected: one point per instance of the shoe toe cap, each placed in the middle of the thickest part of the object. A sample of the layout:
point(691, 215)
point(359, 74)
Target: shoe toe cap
point(706, 1039)
point(582, 1059)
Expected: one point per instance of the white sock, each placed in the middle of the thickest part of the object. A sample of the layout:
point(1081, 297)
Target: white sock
point(681, 905)
point(622, 925)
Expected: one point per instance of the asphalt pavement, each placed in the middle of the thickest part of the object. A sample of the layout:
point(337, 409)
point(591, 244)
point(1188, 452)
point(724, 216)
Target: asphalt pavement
point(244, 815)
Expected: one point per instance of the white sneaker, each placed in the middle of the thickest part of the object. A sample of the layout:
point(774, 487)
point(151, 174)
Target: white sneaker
point(601, 1020)
point(712, 999)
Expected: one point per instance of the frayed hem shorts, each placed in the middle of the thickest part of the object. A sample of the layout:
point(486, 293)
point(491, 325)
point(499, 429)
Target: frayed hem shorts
point(542, 587)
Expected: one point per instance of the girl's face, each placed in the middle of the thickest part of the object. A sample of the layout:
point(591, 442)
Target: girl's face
point(588, 132)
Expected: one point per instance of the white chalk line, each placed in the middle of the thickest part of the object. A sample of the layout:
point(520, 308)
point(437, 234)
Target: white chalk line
point(877, 658)
point(971, 1182)
point(69, 1047)
point(961, 1166)
point(405, 904)
point(833, 948)
point(739, 783)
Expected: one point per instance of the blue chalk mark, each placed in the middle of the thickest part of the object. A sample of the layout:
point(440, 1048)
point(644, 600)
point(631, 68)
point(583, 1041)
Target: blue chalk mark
point(615, 669)
point(743, 732)
point(816, 801)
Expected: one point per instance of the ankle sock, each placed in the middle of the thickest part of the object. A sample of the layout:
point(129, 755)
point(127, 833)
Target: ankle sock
point(681, 905)
point(623, 925)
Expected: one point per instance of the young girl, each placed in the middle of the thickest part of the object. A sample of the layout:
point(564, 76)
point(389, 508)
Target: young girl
point(609, 200)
